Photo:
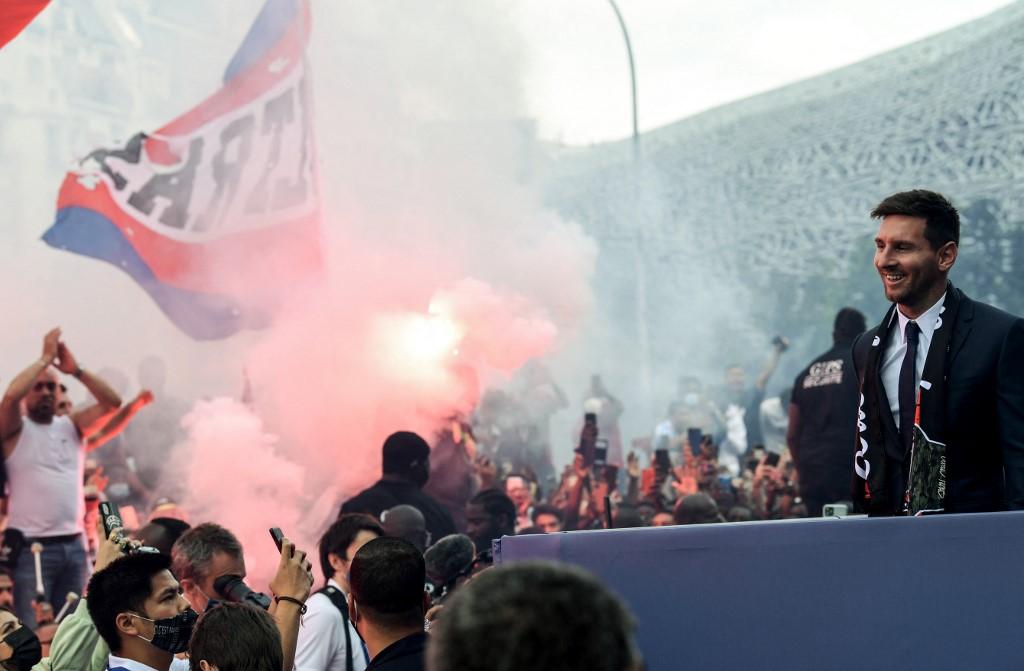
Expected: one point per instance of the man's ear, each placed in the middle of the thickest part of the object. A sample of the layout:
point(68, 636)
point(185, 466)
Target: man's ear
point(206, 666)
point(126, 624)
point(353, 611)
point(339, 565)
point(947, 256)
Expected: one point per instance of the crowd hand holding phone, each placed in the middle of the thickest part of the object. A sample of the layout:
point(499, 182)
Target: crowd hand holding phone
point(486, 472)
point(633, 466)
point(110, 547)
point(294, 577)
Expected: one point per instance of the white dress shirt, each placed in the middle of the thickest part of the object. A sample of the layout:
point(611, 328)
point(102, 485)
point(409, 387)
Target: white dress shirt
point(896, 348)
point(321, 644)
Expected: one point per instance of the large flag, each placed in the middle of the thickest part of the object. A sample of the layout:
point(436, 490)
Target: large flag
point(215, 212)
point(15, 15)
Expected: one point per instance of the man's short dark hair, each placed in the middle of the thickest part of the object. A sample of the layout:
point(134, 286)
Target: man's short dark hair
point(495, 503)
point(547, 509)
point(123, 586)
point(162, 533)
point(533, 615)
point(340, 535)
point(386, 579)
point(236, 637)
point(404, 452)
point(942, 221)
point(697, 508)
point(192, 552)
point(849, 324)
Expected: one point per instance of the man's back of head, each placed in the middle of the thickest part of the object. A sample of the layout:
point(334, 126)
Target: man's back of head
point(408, 523)
point(236, 637)
point(849, 324)
point(388, 600)
point(162, 533)
point(448, 561)
point(697, 508)
point(406, 456)
point(534, 615)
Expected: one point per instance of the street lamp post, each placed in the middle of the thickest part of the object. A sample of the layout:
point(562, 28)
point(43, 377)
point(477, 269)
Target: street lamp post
point(639, 260)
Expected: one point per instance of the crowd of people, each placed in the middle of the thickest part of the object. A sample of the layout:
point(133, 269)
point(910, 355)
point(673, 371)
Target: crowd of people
point(405, 573)
point(155, 592)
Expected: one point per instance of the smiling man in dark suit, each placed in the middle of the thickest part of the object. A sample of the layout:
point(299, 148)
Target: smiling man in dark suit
point(941, 422)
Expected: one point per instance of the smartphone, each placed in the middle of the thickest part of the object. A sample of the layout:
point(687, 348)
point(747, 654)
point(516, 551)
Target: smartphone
point(111, 517)
point(588, 437)
point(772, 459)
point(661, 461)
point(600, 452)
point(693, 437)
point(278, 537)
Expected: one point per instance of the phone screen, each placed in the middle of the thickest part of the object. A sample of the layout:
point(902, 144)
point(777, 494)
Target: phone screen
point(693, 436)
point(278, 537)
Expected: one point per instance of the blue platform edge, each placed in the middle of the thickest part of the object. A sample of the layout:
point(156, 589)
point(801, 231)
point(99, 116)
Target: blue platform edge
point(937, 592)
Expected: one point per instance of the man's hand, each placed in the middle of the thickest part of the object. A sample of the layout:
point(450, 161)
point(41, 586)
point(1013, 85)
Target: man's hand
point(486, 472)
point(294, 574)
point(51, 344)
point(97, 481)
point(144, 398)
point(65, 360)
point(108, 550)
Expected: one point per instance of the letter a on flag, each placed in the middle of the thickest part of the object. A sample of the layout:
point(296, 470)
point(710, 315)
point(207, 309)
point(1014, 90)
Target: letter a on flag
point(213, 213)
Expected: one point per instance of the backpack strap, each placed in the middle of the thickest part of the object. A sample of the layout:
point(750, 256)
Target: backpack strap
point(337, 597)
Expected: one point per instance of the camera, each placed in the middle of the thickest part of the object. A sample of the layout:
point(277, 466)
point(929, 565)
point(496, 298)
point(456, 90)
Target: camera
point(234, 589)
point(834, 510)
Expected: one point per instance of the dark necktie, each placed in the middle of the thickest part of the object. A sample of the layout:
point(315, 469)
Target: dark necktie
point(908, 386)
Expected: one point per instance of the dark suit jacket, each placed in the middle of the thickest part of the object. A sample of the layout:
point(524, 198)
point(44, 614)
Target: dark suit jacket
point(985, 406)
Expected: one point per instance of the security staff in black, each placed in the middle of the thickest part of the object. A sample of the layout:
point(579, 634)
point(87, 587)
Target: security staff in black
point(822, 417)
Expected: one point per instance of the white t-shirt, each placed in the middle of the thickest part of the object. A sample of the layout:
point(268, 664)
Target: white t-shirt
point(44, 475)
point(896, 349)
point(321, 644)
point(115, 663)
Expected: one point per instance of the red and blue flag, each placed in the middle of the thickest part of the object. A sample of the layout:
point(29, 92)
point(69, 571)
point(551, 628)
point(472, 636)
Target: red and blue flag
point(210, 213)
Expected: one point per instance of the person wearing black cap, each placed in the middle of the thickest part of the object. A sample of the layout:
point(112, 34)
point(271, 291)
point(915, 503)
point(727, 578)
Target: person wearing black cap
point(406, 468)
point(823, 417)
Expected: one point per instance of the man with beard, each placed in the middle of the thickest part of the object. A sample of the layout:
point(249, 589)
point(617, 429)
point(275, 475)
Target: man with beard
point(405, 469)
point(942, 377)
point(44, 455)
point(490, 515)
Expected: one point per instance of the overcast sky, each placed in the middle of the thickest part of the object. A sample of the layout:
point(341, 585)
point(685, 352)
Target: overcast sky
point(692, 55)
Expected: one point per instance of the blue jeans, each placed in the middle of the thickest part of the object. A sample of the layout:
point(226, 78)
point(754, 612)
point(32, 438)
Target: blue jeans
point(65, 568)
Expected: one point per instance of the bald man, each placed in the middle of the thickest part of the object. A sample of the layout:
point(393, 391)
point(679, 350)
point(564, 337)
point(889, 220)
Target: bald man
point(44, 455)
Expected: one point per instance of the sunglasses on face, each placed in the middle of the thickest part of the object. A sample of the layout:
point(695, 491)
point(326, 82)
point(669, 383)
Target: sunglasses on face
point(48, 386)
